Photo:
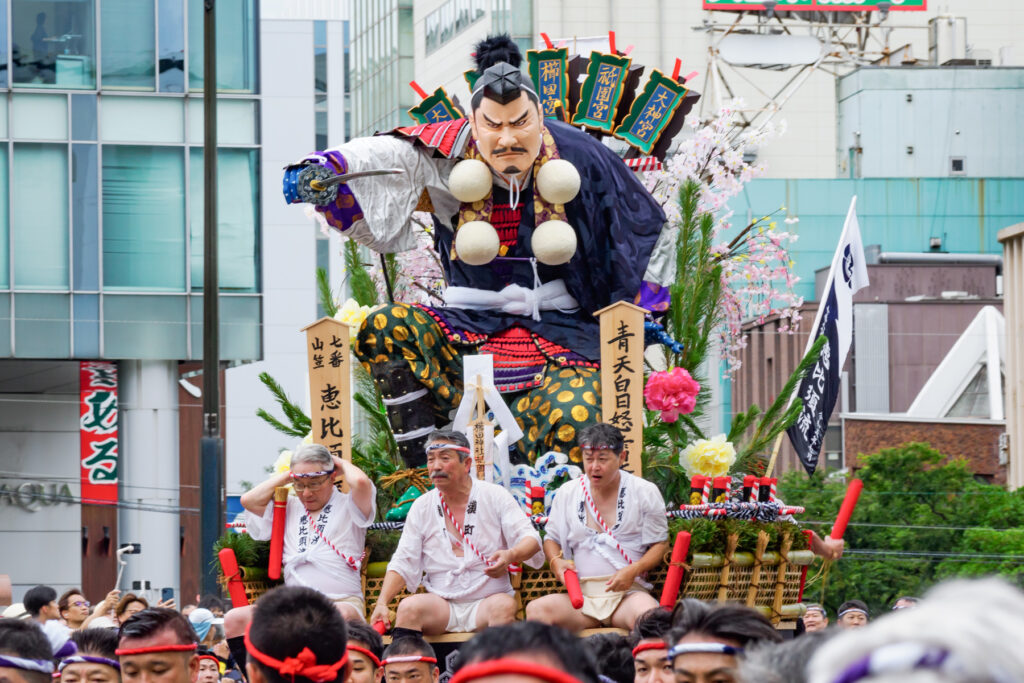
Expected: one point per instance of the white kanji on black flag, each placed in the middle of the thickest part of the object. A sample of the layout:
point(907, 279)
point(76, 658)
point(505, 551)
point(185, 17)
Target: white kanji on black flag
point(820, 386)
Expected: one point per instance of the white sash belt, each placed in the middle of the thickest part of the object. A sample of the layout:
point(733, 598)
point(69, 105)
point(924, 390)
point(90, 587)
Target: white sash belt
point(515, 299)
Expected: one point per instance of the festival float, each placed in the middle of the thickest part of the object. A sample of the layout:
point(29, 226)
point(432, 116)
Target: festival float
point(732, 539)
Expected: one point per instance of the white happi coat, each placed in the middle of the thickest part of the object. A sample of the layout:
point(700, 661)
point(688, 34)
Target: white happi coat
point(494, 521)
point(307, 560)
point(639, 523)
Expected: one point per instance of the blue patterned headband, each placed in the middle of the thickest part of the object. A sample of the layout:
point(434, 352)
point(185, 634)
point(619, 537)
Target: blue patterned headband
point(43, 666)
point(907, 657)
point(310, 475)
point(94, 659)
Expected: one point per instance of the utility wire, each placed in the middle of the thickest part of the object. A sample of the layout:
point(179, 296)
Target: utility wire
point(907, 526)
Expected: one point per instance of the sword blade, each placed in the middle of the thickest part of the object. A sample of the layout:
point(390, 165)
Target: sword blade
point(320, 185)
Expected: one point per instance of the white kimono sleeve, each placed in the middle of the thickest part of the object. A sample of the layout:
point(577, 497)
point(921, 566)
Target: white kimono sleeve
point(260, 527)
point(407, 560)
point(654, 524)
point(558, 526)
point(359, 520)
point(388, 201)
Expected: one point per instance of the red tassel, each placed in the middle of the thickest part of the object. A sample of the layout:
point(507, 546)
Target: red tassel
point(547, 41)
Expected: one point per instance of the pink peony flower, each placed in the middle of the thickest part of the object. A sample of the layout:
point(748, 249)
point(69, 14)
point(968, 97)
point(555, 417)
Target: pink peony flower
point(673, 393)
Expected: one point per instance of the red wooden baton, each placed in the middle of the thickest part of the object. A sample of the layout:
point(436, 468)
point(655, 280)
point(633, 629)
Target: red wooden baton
point(670, 592)
point(277, 535)
point(236, 589)
point(572, 584)
point(380, 627)
point(846, 510)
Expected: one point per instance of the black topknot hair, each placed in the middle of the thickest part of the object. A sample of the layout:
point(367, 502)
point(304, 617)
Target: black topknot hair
point(494, 49)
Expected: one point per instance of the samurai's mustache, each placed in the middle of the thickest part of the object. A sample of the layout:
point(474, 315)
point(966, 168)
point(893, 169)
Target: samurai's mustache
point(505, 150)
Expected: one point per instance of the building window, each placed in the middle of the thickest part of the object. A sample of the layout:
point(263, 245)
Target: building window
point(143, 218)
point(236, 46)
point(974, 401)
point(238, 211)
point(171, 40)
point(128, 47)
point(39, 216)
point(451, 19)
point(514, 17)
point(53, 43)
point(320, 84)
point(5, 259)
point(348, 81)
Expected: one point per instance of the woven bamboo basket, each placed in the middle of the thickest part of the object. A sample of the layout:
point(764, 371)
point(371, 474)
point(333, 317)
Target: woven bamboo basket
point(767, 585)
point(254, 580)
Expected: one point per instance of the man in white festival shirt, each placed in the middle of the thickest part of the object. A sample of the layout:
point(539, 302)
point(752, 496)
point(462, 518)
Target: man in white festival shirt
point(325, 532)
point(609, 526)
point(458, 541)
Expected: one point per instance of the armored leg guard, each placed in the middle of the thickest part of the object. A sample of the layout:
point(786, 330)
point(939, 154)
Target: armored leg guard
point(410, 409)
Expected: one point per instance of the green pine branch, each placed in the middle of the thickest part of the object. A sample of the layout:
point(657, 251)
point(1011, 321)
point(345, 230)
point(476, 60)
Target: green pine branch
point(359, 280)
point(781, 414)
point(300, 422)
point(323, 288)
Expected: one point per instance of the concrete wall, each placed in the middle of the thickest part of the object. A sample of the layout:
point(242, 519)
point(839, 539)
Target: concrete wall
point(920, 336)
point(39, 443)
point(911, 122)
point(288, 247)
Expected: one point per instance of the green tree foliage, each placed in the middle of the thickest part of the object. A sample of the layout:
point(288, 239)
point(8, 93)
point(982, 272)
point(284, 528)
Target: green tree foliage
point(921, 518)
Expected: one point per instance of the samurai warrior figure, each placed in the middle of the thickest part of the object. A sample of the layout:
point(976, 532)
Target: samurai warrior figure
point(537, 224)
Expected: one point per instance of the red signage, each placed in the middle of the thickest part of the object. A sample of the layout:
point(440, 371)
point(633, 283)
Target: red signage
point(98, 429)
point(821, 5)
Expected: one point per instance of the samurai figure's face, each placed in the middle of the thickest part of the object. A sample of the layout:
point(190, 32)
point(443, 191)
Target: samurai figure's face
point(508, 136)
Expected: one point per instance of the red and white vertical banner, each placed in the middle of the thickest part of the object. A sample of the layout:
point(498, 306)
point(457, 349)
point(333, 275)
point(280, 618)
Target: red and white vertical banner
point(98, 430)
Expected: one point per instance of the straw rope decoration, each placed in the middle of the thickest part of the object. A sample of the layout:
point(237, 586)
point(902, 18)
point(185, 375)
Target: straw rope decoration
point(600, 521)
point(462, 534)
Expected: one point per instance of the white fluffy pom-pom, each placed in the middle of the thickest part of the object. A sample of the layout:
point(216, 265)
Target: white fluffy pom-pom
point(477, 243)
point(470, 180)
point(558, 181)
point(553, 242)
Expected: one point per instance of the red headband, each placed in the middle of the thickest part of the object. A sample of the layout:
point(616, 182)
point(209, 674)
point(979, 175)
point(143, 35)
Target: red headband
point(363, 651)
point(127, 651)
point(212, 658)
point(398, 659)
point(495, 667)
point(303, 664)
point(653, 645)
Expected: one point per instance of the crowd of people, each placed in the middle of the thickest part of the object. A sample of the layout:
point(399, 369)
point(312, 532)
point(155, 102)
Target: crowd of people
point(963, 632)
point(460, 541)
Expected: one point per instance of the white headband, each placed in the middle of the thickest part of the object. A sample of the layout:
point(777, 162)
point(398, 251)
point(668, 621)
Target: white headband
point(714, 648)
point(854, 610)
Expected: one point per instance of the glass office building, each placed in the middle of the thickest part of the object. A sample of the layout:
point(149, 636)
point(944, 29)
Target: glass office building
point(382, 65)
point(101, 167)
